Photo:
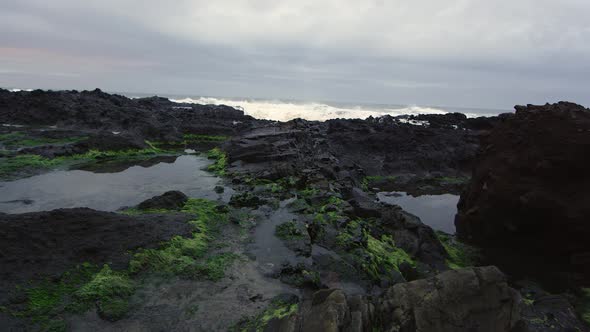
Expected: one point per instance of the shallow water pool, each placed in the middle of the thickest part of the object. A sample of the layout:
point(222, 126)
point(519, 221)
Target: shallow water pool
point(436, 211)
point(110, 190)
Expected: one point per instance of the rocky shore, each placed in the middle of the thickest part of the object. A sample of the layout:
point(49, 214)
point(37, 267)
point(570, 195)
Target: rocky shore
point(302, 244)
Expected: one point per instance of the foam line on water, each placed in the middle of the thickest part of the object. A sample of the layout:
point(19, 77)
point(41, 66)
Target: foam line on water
point(285, 111)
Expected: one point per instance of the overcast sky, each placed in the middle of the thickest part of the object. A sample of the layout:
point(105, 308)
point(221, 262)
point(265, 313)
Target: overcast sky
point(468, 53)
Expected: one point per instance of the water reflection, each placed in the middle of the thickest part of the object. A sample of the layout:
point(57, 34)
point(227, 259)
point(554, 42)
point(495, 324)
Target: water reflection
point(110, 191)
point(437, 211)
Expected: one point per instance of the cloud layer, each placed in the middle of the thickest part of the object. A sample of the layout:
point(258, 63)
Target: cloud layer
point(428, 52)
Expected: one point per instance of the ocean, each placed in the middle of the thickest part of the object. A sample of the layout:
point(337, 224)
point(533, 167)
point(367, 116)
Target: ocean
point(281, 110)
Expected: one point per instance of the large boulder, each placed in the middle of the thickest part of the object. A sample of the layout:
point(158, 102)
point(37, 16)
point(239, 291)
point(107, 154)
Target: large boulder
point(473, 299)
point(530, 189)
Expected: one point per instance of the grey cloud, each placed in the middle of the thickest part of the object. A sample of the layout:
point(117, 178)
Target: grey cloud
point(458, 52)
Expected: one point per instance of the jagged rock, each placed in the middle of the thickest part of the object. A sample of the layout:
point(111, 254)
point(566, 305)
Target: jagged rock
point(329, 312)
point(299, 276)
point(364, 205)
point(170, 200)
point(530, 190)
point(473, 299)
point(544, 312)
point(145, 118)
point(347, 150)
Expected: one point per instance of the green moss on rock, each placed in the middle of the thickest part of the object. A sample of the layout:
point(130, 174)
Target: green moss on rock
point(20, 139)
point(220, 164)
point(189, 138)
point(279, 308)
point(110, 290)
point(11, 165)
point(368, 181)
point(182, 255)
point(288, 231)
point(76, 291)
point(460, 255)
point(384, 255)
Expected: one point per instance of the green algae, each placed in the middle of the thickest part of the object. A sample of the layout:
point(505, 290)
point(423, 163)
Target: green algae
point(383, 255)
point(48, 300)
point(288, 231)
point(460, 255)
point(11, 165)
point(345, 239)
point(20, 139)
point(308, 192)
point(452, 180)
point(203, 138)
point(213, 268)
point(220, 165)
point(76, 292)
point(21, 163)
point(180, 255)
point(277, 309)
point(110, 290)
point(135, 211)
point(367, 181)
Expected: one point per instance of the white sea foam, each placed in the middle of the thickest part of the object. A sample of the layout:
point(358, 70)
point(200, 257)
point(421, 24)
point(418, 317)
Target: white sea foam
point(285, 111)
point(19, 90)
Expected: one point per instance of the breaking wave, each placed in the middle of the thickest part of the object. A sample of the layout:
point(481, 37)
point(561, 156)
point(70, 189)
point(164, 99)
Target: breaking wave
point(285, 111)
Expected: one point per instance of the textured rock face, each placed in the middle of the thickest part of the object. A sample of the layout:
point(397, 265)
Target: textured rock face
point(475, 299)
point(170, 200)
point(329, 312)
point(348, 150)
point(530, 188)
point(48, 243)
point(151, 118)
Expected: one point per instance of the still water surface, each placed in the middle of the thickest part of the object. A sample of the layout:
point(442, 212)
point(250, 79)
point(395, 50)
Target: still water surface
point(436, 211)
point(111, 190)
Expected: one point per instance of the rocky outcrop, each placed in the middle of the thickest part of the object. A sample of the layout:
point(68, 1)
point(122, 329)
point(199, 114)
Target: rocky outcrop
point(473, 299)
point(170, 200)
point(348, 150)
point(149, 118)
point(545, 312)
point(530, 190)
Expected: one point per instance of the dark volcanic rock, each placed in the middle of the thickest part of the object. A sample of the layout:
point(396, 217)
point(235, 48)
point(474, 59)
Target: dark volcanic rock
point(170, 200)
point(46, 244)
point(474, 299)
point(544, 312)
point(348, 150)
point(530, 190)
point(152, 118)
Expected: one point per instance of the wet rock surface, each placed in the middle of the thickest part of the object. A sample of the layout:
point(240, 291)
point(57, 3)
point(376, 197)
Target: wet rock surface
point(347, 150)
point(45, 244)
point(530, 191)
point(475, 299)
point(170, 200)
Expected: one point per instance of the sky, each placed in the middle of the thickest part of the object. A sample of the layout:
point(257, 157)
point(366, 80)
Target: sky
point(466, 53)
